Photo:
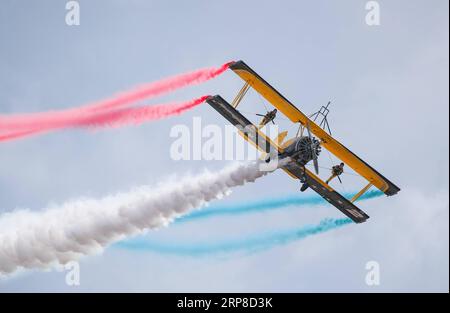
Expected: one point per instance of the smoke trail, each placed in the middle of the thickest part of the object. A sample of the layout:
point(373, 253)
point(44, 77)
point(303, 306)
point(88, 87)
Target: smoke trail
point(116, 118)
point(265, 205)
point(259, 242)
point(30, 239)
point(251, 244)
point(138, 115)
point(21, 125)
point(16, 135)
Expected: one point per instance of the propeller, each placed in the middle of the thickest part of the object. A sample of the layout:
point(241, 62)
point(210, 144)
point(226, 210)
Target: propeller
point(313, 150)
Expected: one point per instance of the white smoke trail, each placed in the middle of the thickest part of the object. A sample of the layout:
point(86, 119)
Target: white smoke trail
point(57, 235)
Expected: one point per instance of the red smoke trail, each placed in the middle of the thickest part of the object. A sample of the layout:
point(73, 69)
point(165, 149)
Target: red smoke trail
point(138, 115)
point(21, 125)
point(16, 135)
point(116, 118)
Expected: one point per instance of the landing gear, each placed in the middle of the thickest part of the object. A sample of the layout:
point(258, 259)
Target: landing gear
point(305, 184)
point(304, 187)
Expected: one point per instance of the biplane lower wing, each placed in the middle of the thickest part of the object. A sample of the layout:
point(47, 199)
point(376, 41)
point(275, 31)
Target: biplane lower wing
point(246, 128)
point(328, 193)
point(265, 144)
point(296, 116)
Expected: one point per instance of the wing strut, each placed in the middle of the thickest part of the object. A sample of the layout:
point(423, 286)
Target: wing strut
point(240, 95)
point(359, 194)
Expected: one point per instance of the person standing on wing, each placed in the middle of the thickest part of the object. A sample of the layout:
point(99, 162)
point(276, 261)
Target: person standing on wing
point(336, 171)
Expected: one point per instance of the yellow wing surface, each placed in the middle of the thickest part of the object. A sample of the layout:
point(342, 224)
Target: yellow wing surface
point(327, 141)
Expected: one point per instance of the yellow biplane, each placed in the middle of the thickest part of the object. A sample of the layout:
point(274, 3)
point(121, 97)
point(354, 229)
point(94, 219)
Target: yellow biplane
point(304, 147)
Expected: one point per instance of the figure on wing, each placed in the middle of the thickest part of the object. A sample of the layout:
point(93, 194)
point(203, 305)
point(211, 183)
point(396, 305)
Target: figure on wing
point(268, 117)
point(336, 171)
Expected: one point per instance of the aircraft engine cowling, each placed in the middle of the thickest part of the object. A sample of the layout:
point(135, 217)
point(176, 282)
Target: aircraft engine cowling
point(302, 149)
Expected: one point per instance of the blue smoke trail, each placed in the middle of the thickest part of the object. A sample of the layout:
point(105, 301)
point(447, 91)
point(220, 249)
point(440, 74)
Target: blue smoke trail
point(251, 244)
point(265, 205)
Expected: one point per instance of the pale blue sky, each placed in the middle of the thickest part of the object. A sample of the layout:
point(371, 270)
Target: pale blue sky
point(389, 86)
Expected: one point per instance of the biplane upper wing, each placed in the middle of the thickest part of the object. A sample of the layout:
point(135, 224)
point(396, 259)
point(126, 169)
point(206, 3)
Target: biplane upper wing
point(253, 134)
point(296, 116)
